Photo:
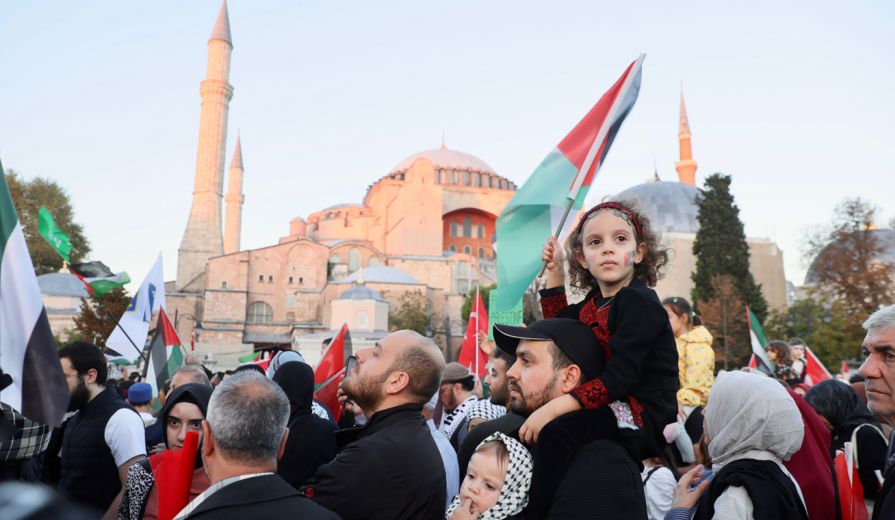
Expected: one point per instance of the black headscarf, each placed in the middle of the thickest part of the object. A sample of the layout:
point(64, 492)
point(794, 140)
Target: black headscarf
point(840, 405)
point(195, 393)
point(312, 440)
point(297, 381)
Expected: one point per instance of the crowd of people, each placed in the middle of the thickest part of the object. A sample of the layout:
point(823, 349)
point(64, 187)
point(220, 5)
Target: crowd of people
point(609, 407)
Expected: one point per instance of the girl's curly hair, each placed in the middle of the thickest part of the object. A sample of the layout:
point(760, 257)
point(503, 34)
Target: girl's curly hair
point(647, 271)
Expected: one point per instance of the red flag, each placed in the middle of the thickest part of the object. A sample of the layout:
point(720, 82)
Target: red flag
point(173, 471)
point(333, 360)
point(814, 369)
point(471, 354)
point(327, 393)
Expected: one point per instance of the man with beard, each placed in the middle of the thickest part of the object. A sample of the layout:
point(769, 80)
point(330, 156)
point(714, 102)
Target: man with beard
point(389, 469)
point(553, 356)
point(103, 439)
point(457, 398)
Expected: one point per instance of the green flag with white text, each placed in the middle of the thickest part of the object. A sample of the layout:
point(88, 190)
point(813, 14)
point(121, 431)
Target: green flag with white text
point(58, 240)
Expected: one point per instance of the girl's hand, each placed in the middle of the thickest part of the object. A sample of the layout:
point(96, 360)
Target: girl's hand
point(466, 511)
point(683, 495)
point(553, 255)
point(532, 426)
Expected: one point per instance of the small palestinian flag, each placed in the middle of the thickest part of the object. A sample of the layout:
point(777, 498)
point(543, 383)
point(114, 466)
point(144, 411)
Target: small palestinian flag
point(165, 353)
point(98, 278)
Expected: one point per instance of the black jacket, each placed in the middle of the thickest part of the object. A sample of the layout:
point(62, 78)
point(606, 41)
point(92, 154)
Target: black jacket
point(260, 498)
point(389, 469)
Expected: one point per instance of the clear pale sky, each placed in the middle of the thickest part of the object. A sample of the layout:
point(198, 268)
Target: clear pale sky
point(794, 101)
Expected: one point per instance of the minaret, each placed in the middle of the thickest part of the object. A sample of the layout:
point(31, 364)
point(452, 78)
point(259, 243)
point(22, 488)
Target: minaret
point(234, 200)
point(202, 238)
point(686, 167)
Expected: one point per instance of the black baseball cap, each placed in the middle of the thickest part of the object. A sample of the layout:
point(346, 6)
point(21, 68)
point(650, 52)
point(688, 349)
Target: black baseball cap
point(573, 337)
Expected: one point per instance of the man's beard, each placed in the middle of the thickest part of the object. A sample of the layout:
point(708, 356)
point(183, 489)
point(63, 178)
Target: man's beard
point(524, 405)
point(79, 397)
point(501, 396)
point(366, 392)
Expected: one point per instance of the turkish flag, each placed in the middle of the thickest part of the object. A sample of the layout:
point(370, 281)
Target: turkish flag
point(333, 360)
point(471, 354)
point(173, 472)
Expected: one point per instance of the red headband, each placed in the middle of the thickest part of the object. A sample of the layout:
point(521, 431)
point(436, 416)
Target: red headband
point(635, 220)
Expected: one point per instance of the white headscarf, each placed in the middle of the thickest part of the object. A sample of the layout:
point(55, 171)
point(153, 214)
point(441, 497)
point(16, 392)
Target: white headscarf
point(751, 416)
point(514, 494)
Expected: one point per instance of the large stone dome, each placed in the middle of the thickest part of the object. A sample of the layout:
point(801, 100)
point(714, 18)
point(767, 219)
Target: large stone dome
point(670, 206)
point(444, 159)
point(885, 238)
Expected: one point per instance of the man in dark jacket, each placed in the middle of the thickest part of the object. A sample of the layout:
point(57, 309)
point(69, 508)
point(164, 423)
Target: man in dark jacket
point(244, 433)
point(389, 469)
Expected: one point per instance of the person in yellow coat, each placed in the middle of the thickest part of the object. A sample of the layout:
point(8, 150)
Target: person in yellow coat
point(696, 365)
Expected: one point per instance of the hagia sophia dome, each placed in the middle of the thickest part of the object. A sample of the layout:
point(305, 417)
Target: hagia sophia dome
point(444, 159)
point(670, 206)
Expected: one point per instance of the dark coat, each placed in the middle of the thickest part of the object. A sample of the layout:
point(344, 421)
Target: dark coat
point(389, 469)
point(260, 498)
point(312, 440)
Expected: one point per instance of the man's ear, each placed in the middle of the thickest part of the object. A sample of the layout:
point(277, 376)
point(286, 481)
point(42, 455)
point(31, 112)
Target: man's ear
point(571, 376)
point(283, 444)
point(396, 382)
point(208, 446)
point(91, 376)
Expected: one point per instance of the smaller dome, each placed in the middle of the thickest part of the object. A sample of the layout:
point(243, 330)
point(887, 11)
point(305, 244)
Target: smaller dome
point(360, 292)
point(380, 274)
point(61, 284)
point(447, 160)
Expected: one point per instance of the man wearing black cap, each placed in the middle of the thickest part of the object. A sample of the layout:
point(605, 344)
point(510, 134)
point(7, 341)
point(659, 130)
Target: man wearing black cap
point(553, 357)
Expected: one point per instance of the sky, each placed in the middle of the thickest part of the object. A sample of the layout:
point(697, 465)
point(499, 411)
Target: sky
point(793, 100)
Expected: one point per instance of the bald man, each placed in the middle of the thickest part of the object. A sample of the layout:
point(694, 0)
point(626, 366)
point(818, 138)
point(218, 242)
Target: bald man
point(391, 467)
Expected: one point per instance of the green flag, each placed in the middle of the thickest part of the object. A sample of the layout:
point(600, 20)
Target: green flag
point(48, 229)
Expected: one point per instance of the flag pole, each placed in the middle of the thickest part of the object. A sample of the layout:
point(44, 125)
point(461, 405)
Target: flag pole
point(591, 156)
point(476, 304)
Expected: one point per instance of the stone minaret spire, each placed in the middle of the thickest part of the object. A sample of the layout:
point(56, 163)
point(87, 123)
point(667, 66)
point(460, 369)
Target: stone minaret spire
point(686, 167)
point(202, 238)
point(234, 200)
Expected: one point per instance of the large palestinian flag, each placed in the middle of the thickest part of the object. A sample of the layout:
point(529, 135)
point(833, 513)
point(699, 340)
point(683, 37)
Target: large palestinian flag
point(561, 181)
point(27, 350)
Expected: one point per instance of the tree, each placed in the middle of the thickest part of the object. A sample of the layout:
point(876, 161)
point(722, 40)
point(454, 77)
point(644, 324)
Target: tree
point(28, 197)
point(848, 265)
point(409, 313)
point(470, 299)
point(828, 329)
point(99, 316)
point(724, 314)
point(720, 247)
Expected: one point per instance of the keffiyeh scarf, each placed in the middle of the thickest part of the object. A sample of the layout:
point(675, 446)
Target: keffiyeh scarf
point(452, 420)
point(514, 493)
point(485, 409)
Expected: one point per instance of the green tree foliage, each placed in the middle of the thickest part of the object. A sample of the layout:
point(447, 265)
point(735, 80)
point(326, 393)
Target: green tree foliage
point(470, 299)
point(29, 196)
point(720, 247)
point(846, 261)
point(828, 330)
point(99, 316)
point(409, 312)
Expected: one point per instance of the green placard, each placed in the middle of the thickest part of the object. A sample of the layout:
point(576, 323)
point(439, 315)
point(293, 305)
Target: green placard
point(510, 317)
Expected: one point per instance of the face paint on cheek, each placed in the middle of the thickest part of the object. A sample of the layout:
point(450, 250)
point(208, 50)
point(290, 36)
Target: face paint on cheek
point(629, 259)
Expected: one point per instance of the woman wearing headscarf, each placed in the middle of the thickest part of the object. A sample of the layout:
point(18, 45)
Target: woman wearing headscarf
point(497, 482)
point(312, 440)
point(849, 420)
point(752, 425)
point(183, 412)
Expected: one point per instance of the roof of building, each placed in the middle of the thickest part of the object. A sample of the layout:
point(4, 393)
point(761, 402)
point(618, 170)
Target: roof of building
point(670, 206)
point(221, 29)
point(360, 292)
point(443, 158)
point(61, 284)
point(885, 239)
point(380, 274)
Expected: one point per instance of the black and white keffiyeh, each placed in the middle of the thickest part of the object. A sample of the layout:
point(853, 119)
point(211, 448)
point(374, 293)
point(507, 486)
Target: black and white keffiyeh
point(514, 493)
point(450, 421)
point(485, 409)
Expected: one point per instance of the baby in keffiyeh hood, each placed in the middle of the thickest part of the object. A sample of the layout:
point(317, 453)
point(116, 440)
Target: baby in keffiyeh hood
point(496, 483)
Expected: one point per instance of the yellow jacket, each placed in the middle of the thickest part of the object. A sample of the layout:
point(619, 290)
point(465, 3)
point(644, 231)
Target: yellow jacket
point(696, 366)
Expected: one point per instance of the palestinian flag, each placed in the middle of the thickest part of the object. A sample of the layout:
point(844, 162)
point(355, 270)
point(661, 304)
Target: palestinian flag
point(560, 181)
point(28, 352)
point(759, 357)
point(98, 278)
point(165, 352)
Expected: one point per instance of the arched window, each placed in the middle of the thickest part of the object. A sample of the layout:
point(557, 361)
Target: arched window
point(466, 178)
point(353, 259)
point(467, 227)
point(480, 231)
point(481, 252)
point(362, 320)
point(467, 250)
point(453, 228)
point(453, 176)
point(453, 248)
point(476, 179)
point(259, 313)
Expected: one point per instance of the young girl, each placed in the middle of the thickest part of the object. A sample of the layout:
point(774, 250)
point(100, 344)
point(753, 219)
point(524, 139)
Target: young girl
point(496, 483)
point(615, 256)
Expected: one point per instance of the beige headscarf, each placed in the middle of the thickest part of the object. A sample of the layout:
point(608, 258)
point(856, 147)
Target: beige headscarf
point(751, 416)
